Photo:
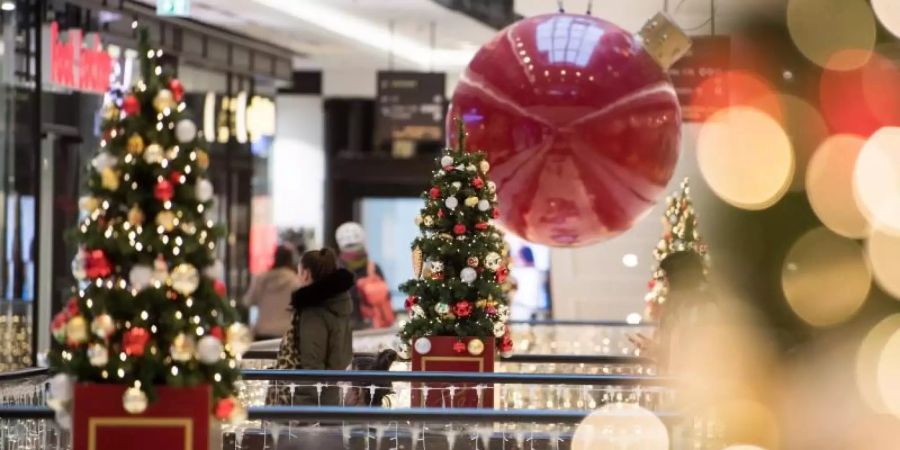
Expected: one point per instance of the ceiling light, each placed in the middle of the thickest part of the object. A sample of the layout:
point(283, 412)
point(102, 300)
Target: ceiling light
point(630, 260)
point(8, 6)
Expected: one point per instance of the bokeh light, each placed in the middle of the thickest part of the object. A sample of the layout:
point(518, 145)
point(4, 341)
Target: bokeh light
point(888, 13)
point(743, 447)
point(829, 185)
point(746, 420)
point(745, 157)
point(825, 277)
point(862, 100)
point(743, 88)
point(880, 79)
point(806, 129)
point(867, 361)
point(876, 179)
point(819, 28)
point(621, 425)
point(889, 373)
point(884, 255)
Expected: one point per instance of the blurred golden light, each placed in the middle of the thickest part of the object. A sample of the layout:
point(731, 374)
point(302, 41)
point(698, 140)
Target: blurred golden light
point(889, 374)
point(825, 277)
point(742, 88)
point(868, 358)
point(876, 179)
point(888, 13)
point(829, 185)
point(745, 157)
point(884, 255)
point(745, 420)
point(743, 447)
point(806, 129)
point(819, 28)
point(621, 425)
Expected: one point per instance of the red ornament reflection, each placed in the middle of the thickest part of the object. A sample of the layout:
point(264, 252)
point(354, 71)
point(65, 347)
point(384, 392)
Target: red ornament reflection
point(580, 125)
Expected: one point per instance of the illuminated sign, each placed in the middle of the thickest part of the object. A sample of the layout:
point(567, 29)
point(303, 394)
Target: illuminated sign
point(76, 63)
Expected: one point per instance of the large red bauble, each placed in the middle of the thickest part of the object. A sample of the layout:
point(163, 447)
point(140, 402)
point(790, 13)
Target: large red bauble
point(581, 126)
point(163, 191)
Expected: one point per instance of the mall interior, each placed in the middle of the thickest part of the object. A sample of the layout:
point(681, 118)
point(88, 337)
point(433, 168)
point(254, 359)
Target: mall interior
point(450, 224)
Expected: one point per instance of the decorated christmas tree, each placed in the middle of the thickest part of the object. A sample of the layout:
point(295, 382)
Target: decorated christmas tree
point(680, 234)
point(150, 308)
point(458, 257)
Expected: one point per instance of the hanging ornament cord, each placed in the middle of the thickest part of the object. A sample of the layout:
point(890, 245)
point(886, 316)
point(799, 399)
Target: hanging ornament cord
point(559, 4)
point(590, 7)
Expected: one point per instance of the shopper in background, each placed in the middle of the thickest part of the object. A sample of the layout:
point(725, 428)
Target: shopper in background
point(270, 292)
point(371, 295)
point(320, 336)
point(527, 300)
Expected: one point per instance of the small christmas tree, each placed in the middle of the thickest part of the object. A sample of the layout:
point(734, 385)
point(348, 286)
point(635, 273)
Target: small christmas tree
point(680, 234)
point(150, 308)
point(458, 257)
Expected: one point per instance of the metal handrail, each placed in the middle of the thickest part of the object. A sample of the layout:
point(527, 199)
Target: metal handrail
point(15, 375)
point(365, 376)
point(524, 358)
point(587, 323)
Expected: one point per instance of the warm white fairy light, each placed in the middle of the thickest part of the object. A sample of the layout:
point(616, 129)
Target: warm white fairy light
point(99, 283)
point(165, 239)
point(196, 320)
point(178, 315)
point(159, 116)
point(138, 246)
point(167, 204)
point(89, 303)
point(122, 356)
point(200, 208)
point(182, 179)
point(217, 377)
point(150, 54)
point(174, 371)
point(145, 315)
point(178, 240)
point(134, 185)
point(164, 164)
point(113, 133)
point(176, 251)
point(187, 170)
point(159, 126)
point(153, 329)
point(166, 112)
point(171, 125)
point(103, 143)
point(199, 331)
point(159, 53)
point(104, 374)
point(189, 302)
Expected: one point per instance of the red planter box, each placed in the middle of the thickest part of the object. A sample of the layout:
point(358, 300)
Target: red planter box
point(443, 358)
point(179, 419)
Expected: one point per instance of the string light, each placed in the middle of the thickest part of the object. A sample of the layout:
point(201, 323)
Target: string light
point(200, 208)
point(122, 356)
point(189, 302)
point(167, 204)
point(174, 371)
point(113, 133)
point(89, 303)
point(145, 315)
point(217, 377)
point(159, 126)
point(178, 315)
point(187, 170)
point(153, 329)
point(199, 331)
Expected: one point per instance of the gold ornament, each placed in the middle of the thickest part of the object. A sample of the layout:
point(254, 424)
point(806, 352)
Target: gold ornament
point(185, 279)
point(136, 216)
point(135, 144)
point(76, 330)
point(153, 154)
point(238, 338)
point(134, 400)
point(471, 202)
point(88, 204)
point(109, 179)
point(418, 260)
point(202, 159)
point(475, 347)
point(485, 166)
point(164, 100)
point(166, 219)
point(182, 349)
point(428, 221)
point(103, 326)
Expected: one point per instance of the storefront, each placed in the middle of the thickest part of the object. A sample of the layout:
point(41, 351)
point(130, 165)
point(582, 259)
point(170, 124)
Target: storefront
point(60, 59)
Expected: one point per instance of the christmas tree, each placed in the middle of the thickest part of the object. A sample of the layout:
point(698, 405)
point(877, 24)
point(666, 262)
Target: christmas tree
point(151, 307)
point(458, 256)
point(680, 234)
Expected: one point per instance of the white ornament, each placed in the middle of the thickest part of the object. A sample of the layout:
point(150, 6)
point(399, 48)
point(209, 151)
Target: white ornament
point(185, 131)
point(216, 271)
point(446, 161)
point(140, 276)
point(468, 275)
point(502, 313)
point(456, 185)
point(209, 349)
point(79, 268)
point(203, 190)
point(492, 261)
point(422, 345)
point(185, 279)
point(134, 400)
point(499, 329)
point(485, 166)
point(460, 167)
point(239, 338)
point(492, 187)
point(103, 160)
point(451, 203)
point(437, 266)
point(484, 205)
point(98, 355)
point(153, 154)
point(416, 311)
point(472, 168)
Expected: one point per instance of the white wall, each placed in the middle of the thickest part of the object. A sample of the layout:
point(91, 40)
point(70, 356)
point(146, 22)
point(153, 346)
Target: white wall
point(592, 283)
point(297, 164)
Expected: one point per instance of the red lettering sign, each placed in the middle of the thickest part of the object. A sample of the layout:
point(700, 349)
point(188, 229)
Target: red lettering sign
point(75, 66)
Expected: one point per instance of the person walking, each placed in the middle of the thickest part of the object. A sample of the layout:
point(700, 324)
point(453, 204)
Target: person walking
point(321, 335)
point(270, 292)
point(371, 294)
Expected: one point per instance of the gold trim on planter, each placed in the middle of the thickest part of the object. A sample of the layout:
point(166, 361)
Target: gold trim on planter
point(182, 422)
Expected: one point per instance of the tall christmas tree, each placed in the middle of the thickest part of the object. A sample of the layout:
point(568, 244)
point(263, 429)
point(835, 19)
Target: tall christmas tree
point(681, 233)
point(457, 257)
point(150, 308)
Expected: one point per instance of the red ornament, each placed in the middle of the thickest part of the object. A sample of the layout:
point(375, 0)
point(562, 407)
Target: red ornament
point(134, 341)
point(568, 120)
point(72, 307)
point(437, 276)
point(217, 333)
point(163, 191)
point(175, 177)
point(435, 193)
point(462, 308)
point(459, 229)
point(506, 342)
point(131, 105)
point(59, 321)
point(410, 301)
point(495, 213)
point(219, 288)
point(490, 310)
point(459, 347)
point(172, 295)
point(502, 273)
point(440, 213)
point(478, 183)
point(481, 226)
point(224, 407)
point(177, 89)
point(97, 265)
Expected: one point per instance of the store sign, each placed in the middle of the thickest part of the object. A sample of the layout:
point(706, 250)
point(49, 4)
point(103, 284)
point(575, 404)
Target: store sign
point(76, 63)
point(173, 7)
point(410, 109)
point(698, 78)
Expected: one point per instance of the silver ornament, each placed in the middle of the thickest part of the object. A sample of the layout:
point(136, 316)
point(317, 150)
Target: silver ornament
point(447, 160)
point(484, 205)
point(203, 190)
point(422, 345)
point(451, 203)
point(134, 400)
point(185, 131)
point(209, 349)
point(468, 275)
point(140, 276)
